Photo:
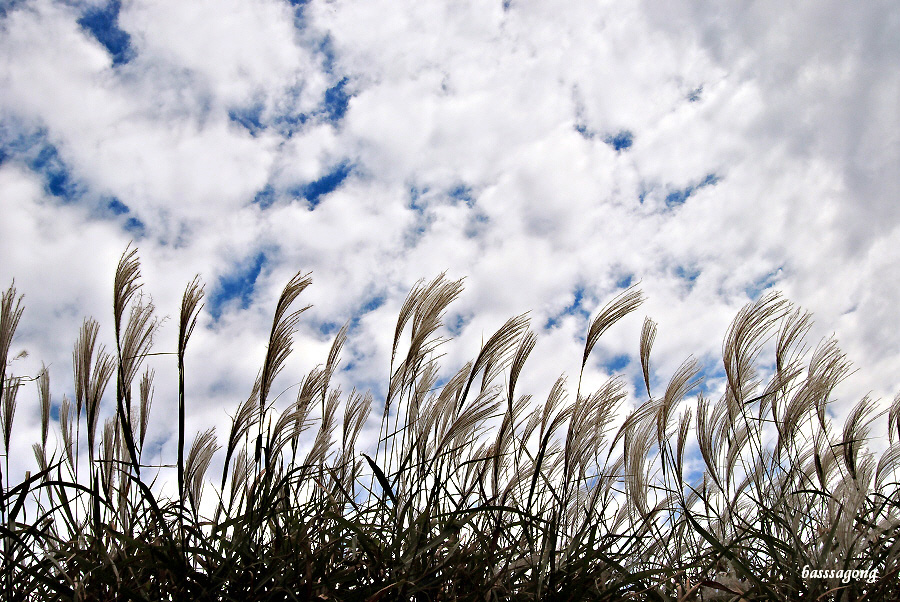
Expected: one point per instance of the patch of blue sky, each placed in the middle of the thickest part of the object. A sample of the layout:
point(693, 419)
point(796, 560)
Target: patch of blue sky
point(575, 308)
point(644, 192)
point(712, 372)
point(625, 281)
point(7, 6)
point(154, 446)
point(286, 121)
point(711, 179)
point(102, 22)
point(135, 227)
point(248, 117)
point(116, 207)
point(620, 141)
point(57, 176)
point(329, 328)
point(640, 389)
point(60, 183)
point(476, 225)
point(237, 286)
point(696, 468)
point(581, 125)
point(301, 19)
point(417, 201)
point(336, 101)
point(421, 196)
point(415, 232)
point(331, 181)
point(455, 324)
point(325, 49)
point(616, 364)
point(584, 130)
point(368, 306)
point(687, 274)
point(462, 194)
point(760, 285)
point(678, 197)
point(36, 152)
point(374, 303)
point(265, 198)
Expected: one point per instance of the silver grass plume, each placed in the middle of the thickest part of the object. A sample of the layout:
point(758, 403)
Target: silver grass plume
point(310, 389)
point(137, 341)
point(284, 326)
point(198, 459)
point(355, 414)
point(334, 354)
point(856, 432)
point(10, 313)
point(146, 401)
point(65, 427)
point(133, 343)
point(322, 443)
point(8, 409)
point(43, 384)
point(620, 306)
point(110, 456)
point(648, 336)
point(11, 310)
point(789, 346)
point(748, 332)
point(888, 465)
point(526, 346)
point(684, 427)
point(894, 420)
point(245, 417)
point(684, 380)
point(706, 437)
point(280, 338)
point(187, 320)
point(425, 306)
point(125, 285)
point(494, 355)
point(91, 377)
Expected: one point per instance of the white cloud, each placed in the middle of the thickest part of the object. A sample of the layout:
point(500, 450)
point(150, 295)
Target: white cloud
point(236, 49)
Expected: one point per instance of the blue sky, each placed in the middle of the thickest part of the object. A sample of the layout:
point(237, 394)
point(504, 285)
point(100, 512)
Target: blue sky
point(549, 152)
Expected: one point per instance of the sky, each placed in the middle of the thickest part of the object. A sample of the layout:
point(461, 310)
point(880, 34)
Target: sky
point(549, 152)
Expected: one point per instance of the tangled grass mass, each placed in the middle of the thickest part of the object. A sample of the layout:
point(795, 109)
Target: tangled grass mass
point(474, 492)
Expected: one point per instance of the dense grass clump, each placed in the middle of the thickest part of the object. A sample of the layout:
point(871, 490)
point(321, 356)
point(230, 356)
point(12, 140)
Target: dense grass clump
point(474, 492)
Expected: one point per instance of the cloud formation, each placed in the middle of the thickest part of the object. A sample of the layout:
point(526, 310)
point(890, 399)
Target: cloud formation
point(549, 152)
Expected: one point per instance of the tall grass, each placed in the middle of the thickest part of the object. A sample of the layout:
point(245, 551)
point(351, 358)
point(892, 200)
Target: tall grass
point(474, 491)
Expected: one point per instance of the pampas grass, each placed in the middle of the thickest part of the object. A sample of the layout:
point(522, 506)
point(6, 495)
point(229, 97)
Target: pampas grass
point(474, 490)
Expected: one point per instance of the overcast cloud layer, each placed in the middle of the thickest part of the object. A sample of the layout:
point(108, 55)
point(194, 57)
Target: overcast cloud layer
point(549, 152)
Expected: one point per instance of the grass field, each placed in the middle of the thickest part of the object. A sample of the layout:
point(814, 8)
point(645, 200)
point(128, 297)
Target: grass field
point(476, 491)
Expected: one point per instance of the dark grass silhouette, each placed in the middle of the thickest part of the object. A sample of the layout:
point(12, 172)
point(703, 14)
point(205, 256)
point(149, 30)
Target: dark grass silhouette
point(475, 491)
